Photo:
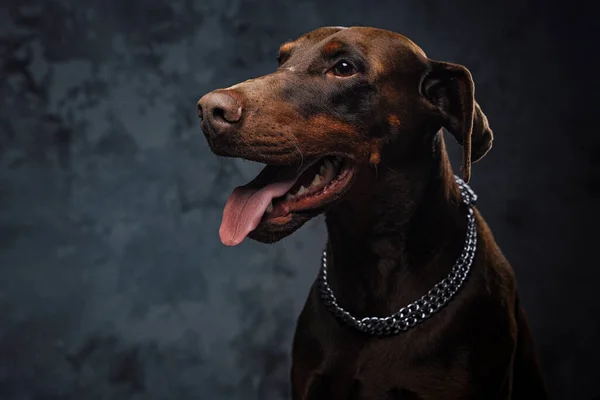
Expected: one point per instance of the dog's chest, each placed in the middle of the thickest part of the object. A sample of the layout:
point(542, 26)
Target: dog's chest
point(386, 370)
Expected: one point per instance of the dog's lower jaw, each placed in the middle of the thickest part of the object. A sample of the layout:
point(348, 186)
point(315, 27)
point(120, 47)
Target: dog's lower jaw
point(273, 232)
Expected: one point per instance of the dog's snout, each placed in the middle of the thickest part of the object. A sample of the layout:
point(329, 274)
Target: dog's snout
point(220, 111)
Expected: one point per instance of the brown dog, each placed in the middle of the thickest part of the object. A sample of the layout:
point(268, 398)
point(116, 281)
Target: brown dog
point(350, 125)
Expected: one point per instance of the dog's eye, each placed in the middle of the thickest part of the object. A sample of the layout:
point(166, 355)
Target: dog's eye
point(344, 69)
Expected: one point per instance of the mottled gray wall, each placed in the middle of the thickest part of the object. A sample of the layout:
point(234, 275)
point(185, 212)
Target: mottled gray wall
point(113, 284)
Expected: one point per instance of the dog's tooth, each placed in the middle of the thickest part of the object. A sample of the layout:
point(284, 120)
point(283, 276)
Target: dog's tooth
point(316, 181)
point(270, 207)
point(301, 191)
point(288, 197)
point(327, 164)
point(322, 169)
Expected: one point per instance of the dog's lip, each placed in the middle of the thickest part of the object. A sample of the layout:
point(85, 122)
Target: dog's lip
point(328, 195)
point(284, 157)
point(292, 158)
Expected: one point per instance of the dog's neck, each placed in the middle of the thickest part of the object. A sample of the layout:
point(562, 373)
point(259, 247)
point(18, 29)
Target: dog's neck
point(385, 240)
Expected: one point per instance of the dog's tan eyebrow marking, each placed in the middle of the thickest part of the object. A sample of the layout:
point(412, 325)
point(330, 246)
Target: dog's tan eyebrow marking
point(393, 120)
point(285, 50)
point(332, 48)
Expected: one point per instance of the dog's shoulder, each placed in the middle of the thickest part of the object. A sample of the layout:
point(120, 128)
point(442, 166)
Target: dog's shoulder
point(491, 266)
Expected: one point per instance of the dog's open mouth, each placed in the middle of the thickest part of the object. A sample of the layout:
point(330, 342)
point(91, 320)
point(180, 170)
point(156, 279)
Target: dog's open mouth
point(278, 193)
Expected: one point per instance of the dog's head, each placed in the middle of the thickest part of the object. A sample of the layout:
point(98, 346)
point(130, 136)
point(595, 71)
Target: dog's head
point(342, 101)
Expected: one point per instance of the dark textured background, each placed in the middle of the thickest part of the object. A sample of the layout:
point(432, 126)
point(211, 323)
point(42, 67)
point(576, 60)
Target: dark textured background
point(113, 284)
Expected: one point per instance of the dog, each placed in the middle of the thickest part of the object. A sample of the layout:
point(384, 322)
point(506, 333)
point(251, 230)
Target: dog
point(414, 299)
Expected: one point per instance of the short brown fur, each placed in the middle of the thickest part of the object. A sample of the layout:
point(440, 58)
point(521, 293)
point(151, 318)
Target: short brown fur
point(397, 230)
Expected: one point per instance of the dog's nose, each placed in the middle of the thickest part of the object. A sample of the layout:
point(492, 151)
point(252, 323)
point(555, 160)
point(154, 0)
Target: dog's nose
point(219, 110)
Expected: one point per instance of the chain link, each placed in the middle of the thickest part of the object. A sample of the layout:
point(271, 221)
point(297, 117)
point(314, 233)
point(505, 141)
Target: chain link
point(428, 304)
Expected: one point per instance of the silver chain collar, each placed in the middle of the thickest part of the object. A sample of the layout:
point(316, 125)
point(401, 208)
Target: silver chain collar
point(427, 305)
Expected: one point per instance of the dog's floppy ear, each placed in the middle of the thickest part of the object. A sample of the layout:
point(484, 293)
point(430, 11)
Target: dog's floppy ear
point(450, 89)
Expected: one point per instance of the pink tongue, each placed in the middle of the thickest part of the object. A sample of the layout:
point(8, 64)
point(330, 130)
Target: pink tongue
point(247, 204)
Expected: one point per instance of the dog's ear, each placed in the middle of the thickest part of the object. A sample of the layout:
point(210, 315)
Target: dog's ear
point(449, 88)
